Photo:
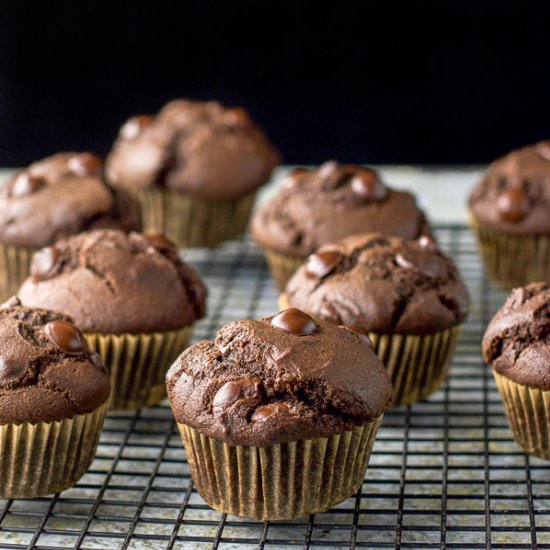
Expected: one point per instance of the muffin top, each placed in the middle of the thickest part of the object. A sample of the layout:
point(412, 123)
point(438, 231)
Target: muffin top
point(333, 201)
point(514, 194)
point(202, 149)
point(47, 372)
point(517, 341)
point(381, 284)
point(60, 196)
point(113, 282)
point(279, 379)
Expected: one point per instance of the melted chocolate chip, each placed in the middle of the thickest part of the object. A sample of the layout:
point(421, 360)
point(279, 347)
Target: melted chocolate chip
point(11, 370)
point(366, 185)
point(328, 168)
point(513, 204)
point(428, 243)
point(248, 391)
point(360, 333)
point(26, 184)
point(66, 337)
point(295, 322)
point(134, 126)
point(85, 164)
point(267, 411)
point(44, 263)
point(237, 117)
point(320, 264)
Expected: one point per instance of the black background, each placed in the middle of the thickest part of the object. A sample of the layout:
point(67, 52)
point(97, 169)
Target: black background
point(376, 82)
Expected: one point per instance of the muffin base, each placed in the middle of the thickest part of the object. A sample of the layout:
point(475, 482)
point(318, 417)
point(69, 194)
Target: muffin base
point(282, 266)
point(513, 260)
point(283, 481)
point(15, 264)
point(192, 222)
point(47, 457)
point(417, 363)
point(528, 412)
point(138, 364)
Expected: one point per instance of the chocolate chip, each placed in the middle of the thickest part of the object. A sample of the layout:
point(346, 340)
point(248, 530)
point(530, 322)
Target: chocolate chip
point(85, 164)
point(134, 126)
point(267, 411)
point(320, 264)
point(328, 168)
point(513, 204)
point(44, 263)
point(543, 149)
point(295, 322)
point(11, 370)
point(360, 333)
point(366, 185)
point(401, 261)
point(26, 184)
point(248, 391)
point(237, 118)
point(66, 337)
point(159, 241)
point(428, 243)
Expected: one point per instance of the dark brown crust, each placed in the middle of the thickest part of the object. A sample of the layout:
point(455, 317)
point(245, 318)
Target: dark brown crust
point(525, 171)
point(517, 341)
point(65, 204)
point(317, 207)
point(205, 150)
point(38, 380)
point(111, 282)
point(384, 285)
point(319, 384)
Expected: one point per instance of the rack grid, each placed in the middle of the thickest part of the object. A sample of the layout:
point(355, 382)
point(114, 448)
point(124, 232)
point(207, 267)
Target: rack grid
point(444, 473)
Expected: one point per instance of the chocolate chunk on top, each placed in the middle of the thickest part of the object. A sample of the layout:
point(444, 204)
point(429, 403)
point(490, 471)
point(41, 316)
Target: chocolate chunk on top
point(257, 384)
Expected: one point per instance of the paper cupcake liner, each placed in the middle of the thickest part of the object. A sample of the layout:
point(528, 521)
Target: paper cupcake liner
point(47, 457)
point(138, 364)
point(282, 266)
point(283, 481)
point(528, 412)
point(192, 222)
point(417, 364)
point(15, 264)
point(513, 260)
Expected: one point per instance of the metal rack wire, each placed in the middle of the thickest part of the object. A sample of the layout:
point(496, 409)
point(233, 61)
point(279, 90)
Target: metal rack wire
point(445, 473)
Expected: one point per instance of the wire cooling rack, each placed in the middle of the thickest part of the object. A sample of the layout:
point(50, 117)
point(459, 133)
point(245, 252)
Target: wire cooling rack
point(445, 473)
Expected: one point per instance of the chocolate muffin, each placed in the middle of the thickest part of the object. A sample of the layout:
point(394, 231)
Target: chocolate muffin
point(510, 213)
point(517, 346)
point(195, 167)
point(53, 398)
point(278, 416)
point(407, 295)
point(53, 198)
point(133, 297)
point(319, 206)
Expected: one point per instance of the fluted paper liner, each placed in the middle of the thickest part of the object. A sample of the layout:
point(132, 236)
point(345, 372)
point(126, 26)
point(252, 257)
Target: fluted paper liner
point(15, 264)
point(528, 412)
point(138, 364)
point(417, 363)
point(193, 222)
point(513, 260)
point(282, 481)
point(282, 266)
point(47, 457)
